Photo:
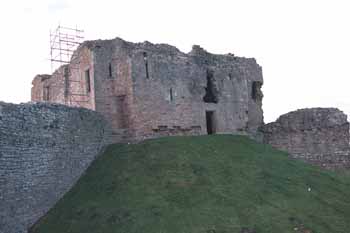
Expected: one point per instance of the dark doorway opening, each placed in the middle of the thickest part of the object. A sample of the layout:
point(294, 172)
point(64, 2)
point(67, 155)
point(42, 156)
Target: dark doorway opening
point(209, 115)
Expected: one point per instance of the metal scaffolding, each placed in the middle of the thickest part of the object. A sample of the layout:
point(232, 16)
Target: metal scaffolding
point(63, 43)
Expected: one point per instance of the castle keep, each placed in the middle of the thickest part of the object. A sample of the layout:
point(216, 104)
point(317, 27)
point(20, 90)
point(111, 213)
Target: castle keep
point(148, 90)
point(132, 91)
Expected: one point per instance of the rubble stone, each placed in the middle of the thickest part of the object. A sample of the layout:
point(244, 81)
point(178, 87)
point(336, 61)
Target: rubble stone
point(316, 135)
point(44, 148)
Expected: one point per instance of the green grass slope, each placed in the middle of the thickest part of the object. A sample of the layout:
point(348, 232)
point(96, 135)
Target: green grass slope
point(206, 184)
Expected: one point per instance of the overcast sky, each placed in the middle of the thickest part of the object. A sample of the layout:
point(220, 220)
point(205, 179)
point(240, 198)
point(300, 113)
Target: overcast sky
point(302, 45)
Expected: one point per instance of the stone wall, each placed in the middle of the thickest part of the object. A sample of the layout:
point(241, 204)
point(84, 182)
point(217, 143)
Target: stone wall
point(37, 91)
point(44, 148)
point(68, 85)
point(317, 135)
point(148, 90)
point(113, 84)
point(173, 90)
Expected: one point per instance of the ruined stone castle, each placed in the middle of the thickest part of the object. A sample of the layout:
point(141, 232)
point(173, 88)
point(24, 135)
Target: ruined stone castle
point(117, 91)
point(148, 90)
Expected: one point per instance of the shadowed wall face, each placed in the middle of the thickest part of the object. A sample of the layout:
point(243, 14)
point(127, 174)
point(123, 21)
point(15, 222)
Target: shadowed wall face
point(44, 148)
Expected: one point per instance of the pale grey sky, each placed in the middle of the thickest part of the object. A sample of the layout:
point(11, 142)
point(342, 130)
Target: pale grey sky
point(302, 45)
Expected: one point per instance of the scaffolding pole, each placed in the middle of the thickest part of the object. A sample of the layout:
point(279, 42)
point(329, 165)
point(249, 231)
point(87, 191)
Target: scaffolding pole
point(63, 42)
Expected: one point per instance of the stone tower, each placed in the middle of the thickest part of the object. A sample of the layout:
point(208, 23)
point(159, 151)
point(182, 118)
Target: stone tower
point(149, 90)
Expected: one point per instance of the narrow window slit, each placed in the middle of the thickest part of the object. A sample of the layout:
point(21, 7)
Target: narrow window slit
point(146, 64)
point(87, 80)
point(110, 70)
point(171, 95)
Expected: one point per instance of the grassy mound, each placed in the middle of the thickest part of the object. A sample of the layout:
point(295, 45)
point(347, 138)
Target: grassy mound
point(207, 184)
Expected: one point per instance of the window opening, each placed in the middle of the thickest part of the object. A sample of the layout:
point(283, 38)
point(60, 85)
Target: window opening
point(146, 64)
point(87, 80)
point(110, 70)
point(210, 90)
point(257, 94)
point(171, 94)
point(46, 94)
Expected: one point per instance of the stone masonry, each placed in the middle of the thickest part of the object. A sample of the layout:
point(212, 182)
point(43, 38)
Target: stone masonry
point(316, 135)
point(44, 148)
point(116, 91)
point(149, 90)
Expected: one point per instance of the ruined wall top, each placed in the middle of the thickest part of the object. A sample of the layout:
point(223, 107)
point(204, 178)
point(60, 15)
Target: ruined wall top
point(316, 135)
point(199, 54)
point(40, 78)
point(309, 118)
point(197, 51)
